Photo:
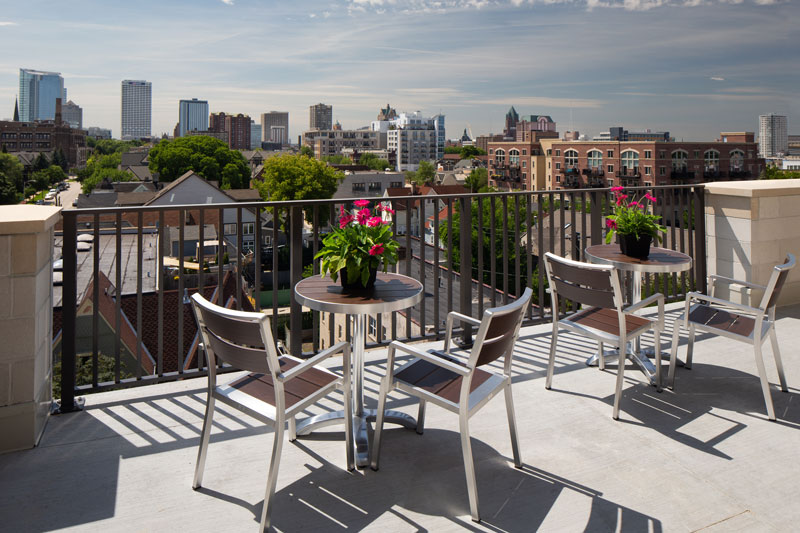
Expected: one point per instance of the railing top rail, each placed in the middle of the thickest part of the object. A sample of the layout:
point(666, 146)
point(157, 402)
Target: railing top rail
point(328, 201)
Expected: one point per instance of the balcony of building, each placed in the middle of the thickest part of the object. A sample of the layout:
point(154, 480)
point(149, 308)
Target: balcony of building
point(703, 456)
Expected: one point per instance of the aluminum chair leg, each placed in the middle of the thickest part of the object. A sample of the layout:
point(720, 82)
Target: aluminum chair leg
point(272, 479)
point(776, 352)
point(348, 422)
point(673, 352)
point(469, 465)
point(601, 356)
point(552, 363)
point(292, 429)
point(690, 348)
point(512, 425)
point(421, 417)
point(657, 335)
point(620, 376)
point(762, 374)
point(203, 449)
point(375, 450)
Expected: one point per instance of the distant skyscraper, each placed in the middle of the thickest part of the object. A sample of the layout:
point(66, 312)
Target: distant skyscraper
point(441, 138)
point(275, 127)
point(320, 117)
point(136, 109)
point(38, 91)
point(193, 115)
point(235, 127)
point(72, 114)
point(773, 135)
point(255, 135)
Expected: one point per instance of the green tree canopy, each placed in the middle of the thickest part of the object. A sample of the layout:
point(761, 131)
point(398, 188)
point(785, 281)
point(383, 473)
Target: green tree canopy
point(41, 162)
point(206, 156)
point(337, 160)
point(452, 150)
point(297, 177)
point(113, 146)
point(774, 173)
point(424, 174)
point(478, 180)
point(12, 170)
point(8, 191)
point(306, 151)
point(112, 174)
point(468, 152)
point(373, 161)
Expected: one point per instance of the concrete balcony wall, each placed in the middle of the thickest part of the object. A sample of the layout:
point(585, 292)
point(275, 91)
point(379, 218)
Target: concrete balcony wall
point(26, 314)
point(750, 227)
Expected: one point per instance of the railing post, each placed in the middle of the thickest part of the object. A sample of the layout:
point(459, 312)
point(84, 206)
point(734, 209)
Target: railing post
point(69, 307)
point(596, 218)
point(700, 239)
point(296, 274)
point(465, 276)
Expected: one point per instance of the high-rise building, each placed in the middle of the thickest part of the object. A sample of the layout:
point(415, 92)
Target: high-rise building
point(38, 91)
point(441, 138)
point(275, 127)
point(192, 116)
point(255, 135)
point(320, 117)
point(773, 135)
point(413, 138)
point(235, 127)
point(136, 109)
point(72, 114)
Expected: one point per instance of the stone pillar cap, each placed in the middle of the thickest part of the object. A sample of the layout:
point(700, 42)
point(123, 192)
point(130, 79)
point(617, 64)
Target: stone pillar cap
point(17, 219)
point(755, 188)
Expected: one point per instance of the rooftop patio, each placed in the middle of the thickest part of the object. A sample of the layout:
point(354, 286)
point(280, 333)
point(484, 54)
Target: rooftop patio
point(703, 457)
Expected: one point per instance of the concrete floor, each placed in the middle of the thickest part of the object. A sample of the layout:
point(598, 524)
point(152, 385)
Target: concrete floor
point(703, 457)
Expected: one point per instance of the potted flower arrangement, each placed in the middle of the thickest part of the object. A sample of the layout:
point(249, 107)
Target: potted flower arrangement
point(358, 246)
point(634, 224)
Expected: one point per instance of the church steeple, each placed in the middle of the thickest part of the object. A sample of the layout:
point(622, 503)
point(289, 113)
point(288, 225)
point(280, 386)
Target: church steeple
point(16, 110)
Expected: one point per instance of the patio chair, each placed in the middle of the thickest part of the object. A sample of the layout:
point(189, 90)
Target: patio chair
point(459, 386)
point(278, 388)
point(605, 320)
point(738, 322)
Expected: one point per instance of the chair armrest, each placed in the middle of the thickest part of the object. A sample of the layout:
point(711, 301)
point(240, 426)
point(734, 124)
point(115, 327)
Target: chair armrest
point(464, 318)
point(657, 297)
point(451, 316)
point(700, 297)
point(713, 278)
point(431, 358)
point(343, 347)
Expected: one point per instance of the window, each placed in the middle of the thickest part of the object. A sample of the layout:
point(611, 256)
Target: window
point(230, 229)
point(500, 157)
point(524, 151)
point(558, 152)
point(524, 176)
point(647, 171)
point(513, 156)
point(629, 160)
point(711, 159)
point(549, 152)
point(662, 154)
point(396, 184)
point(662, 171)
point(648, 154)
point(648, 183)
point(595, 159)
point(248, 247)
point(610, 168)
point(558, 166)
point(358, 187)
point(610, 153)
point(374, 186)
point(680, 160)
point(737, 160)
point(548, 164)
point(373, 327)
point(571, 158)
point(491, 151)
point(558, 178)
point(523, 164)
point(697, 154)
point(248, 228)
point(9, 135)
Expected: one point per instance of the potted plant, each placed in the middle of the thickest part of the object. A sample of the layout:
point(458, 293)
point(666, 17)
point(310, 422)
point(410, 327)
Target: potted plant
point(362, 242)
point(634, 223)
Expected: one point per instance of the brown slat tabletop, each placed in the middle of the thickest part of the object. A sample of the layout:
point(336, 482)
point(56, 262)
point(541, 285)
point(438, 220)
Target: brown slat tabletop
point(392, 292)
point(660, 260)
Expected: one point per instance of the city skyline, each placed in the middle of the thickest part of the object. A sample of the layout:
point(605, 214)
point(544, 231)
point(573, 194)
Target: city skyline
point(692, 68)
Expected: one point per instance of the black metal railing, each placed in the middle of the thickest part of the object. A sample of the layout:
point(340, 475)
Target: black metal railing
point(125, 318)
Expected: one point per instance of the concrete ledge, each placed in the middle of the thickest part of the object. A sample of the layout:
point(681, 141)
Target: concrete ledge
point(755, 188)
point(16, 219)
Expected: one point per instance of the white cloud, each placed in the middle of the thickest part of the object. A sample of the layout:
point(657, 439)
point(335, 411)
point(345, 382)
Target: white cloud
point(717, 78)
point(227, 2)
point(7, 23)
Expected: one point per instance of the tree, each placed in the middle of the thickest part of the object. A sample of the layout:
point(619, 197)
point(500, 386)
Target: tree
point(373, 161)
point(468, 152)
point(60, 159)
point(41, 162)
point(112, 146)
point(297, 177)
point(12, 170)
point(425, 173)
point(774, 173)
point(8, 191)
point(452, 150)
point(55, 174)
point(337, 159)
point(206, 156)
point(111, 174)
point(306, 151)
point(478, 180)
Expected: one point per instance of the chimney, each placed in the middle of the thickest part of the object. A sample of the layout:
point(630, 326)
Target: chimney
point(58, 111)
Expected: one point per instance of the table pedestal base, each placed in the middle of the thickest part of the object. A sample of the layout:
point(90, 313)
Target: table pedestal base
point(360, 428)
point(641, 358)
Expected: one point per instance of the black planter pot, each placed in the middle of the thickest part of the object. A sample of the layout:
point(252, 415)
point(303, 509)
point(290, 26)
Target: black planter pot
point(632, 247)
point(357, 286)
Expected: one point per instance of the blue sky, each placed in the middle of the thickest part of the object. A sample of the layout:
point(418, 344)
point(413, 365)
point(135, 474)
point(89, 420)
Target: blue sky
point(692, 67)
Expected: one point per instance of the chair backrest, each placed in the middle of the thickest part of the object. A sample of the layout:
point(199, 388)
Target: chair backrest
point(776, 281)
point(499, 331)
point(241, 339)
point(585, 283)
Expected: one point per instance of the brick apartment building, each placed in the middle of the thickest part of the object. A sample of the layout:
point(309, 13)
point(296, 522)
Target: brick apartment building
point(518, 164)
point(235, 127)
point(580, 164)
point(45, 136)
point(334, 142)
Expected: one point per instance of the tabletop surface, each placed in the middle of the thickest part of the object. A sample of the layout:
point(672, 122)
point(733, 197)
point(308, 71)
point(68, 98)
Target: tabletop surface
point(659, 260)
point(392, 292)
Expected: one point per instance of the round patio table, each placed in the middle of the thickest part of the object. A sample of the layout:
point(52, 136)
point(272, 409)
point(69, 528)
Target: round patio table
point(660, 261)
point(392, 292)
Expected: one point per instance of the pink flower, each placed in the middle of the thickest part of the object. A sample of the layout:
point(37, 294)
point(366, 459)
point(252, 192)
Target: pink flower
point(374, 221)
point(341, 210)
point(617, 188)
point(634, 204)
point(620, 198)
point(361, 203)
point(650, 197)
point(345, 220)
point(387, 209)
point(363, 216)
point(611, 223)
point(376, 250)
